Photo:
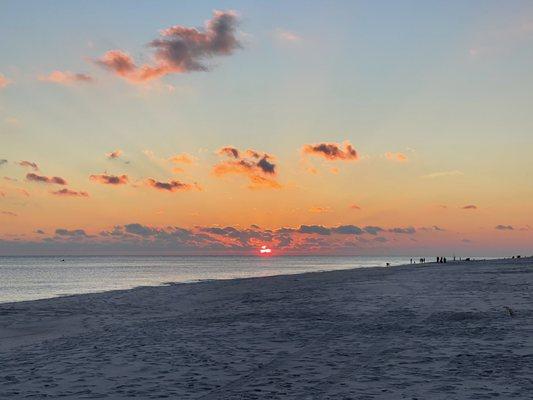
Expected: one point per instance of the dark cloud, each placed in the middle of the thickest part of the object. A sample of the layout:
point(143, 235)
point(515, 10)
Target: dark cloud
point(504, 227)
point(28, 164)
point(9, 213)
point(331, 151)
point(348, 230)
point(45, 179)
point(469, 207)
point(40, 232)
point(71, 233)
point(408, 231)
point(373, 230)
point(172, 186)
point(179, 49)
point(70, 193)
point(314, 229)
point(3, 161)
point(106, 179)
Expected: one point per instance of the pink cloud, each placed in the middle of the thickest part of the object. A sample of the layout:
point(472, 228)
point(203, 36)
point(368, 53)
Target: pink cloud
point(257, 166)
point(400, 157)
point(114, 154)
point(106, 179)
point(4, 81)
point(66, 78)
point(178, 50)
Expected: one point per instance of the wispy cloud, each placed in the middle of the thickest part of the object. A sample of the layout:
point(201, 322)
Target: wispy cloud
point(443, 174)
point(469, 207)
point(320, 210)
point(70, 193)
point(286, 36)
point(29, 164)
point(66, 78)
point(4, 81)
point(504, 227)
point(400, 157)
point(113, 155)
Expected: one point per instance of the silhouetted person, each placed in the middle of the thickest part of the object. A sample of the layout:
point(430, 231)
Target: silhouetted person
point(444, 260)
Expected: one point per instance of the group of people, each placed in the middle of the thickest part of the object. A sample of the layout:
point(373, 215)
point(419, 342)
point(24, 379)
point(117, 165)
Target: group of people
point(423, 260)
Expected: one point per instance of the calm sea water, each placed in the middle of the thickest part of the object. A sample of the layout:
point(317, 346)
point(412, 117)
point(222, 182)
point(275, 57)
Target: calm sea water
point(30, 278)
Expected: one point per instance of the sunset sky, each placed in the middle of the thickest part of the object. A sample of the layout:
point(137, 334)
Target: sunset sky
point(332, 127)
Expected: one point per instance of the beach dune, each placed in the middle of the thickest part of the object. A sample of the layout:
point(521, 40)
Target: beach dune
point(439, 331)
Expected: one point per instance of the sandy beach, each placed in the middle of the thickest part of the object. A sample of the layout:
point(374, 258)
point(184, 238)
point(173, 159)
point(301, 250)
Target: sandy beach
point(412, 332)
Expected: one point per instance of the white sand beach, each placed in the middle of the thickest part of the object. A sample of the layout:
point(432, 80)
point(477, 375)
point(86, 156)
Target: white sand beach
point(438, 331)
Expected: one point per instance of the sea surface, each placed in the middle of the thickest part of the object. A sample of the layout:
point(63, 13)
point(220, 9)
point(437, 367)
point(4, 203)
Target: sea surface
point(30, 278)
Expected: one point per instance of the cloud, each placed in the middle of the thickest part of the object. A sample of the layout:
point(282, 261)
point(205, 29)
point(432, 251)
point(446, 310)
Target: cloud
point(354, 206)
point(320, 210)
point(408, 231)
point(314, 229)
point(182, 158)
point(71, 233)
point(373, 230)
point(469, 207)
point(442, 174)
point(66, 78)
point(28, 164)
point(137, 238)
point(172, 186)
point(504, 227)
point(400, 157)
point(256, 166)
point(106, 179)
point(433, 228)
point(3, 161)
point(9, 213)
point(287, 36)
point(4, 81)
point(347, 230)
point(45, 179)
point(179, 50)
point(70, 193)
point(113, 155)
point(331, 151)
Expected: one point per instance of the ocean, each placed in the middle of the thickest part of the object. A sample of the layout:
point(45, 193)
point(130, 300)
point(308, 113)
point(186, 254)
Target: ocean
point(31, 278)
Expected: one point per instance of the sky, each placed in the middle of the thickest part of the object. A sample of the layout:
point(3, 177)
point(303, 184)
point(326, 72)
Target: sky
point(312, 127)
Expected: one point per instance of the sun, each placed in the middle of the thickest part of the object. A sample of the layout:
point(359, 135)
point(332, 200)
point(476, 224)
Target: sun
point(265, 250)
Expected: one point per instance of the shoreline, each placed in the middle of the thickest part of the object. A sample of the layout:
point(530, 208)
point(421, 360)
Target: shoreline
point(160, 284)
point(429, 330)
